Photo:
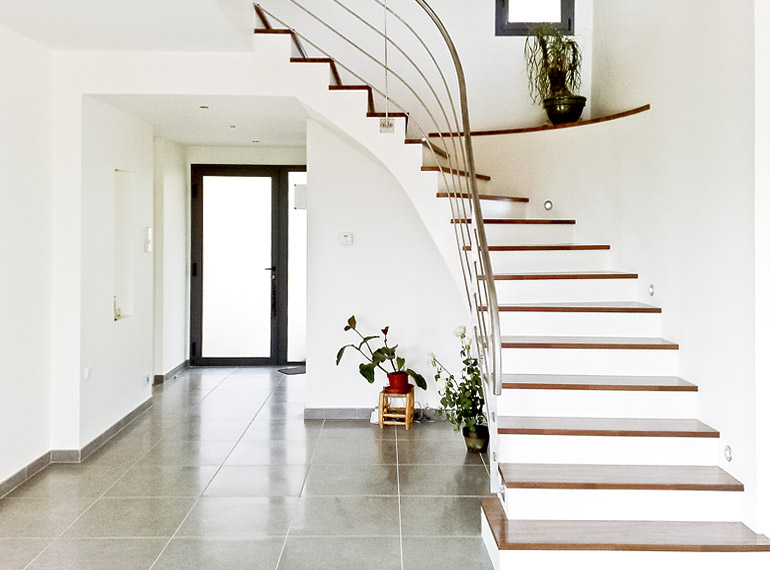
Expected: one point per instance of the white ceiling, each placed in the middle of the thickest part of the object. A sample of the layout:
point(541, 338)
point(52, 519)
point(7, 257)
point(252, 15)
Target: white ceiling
point(274, 121)
point(133, 25)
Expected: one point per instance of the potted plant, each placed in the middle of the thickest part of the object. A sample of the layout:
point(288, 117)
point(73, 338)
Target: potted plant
point(380, 357)
point(553, 67)
point(462, 400)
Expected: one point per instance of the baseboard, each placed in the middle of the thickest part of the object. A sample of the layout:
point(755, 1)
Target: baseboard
point(161, 378)
point(71, 455)
point(338, 413)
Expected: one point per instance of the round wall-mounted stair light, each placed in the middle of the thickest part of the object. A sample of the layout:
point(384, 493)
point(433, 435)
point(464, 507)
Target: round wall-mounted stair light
point(651, 290)
point(548, 205)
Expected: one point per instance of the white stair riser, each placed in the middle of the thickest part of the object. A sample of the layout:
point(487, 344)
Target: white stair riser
point(510, 292)
point(597, 404)
point(528, 234)
point(606, 504)
point(549, 260)
point(489, 209)
point(618, 450)
point(613, 560)
point(618, 362)
point(580, 324)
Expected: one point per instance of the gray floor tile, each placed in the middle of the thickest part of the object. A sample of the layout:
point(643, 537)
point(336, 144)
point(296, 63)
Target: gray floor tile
point(199, 554)
point(342, 452)
point(346, 516)
point(100, 554)
point(18, 552)
point(438, 429)
point(436, 452)
point(277, 411)
point(188, 453)
point(258, 481)
point(299, 430)
point(240, 517)
point(44, 517)
point(448, 480)
point(272, 452)
point(352, 480)
point(441, 516)
point(113, 517)
point(442, 554)
point(356, 431)
point(215, 430)
point(324, 553)
point(79, 480)
point(225, 412)
point(160, 481)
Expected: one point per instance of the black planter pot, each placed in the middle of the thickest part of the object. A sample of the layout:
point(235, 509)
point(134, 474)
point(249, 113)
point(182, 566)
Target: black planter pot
point(476, 441)
point(564, 108)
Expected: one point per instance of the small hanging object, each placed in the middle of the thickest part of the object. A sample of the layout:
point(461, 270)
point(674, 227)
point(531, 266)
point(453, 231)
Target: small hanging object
point(387, 125)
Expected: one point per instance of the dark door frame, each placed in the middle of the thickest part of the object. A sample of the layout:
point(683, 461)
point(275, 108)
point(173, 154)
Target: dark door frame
point(280, 245)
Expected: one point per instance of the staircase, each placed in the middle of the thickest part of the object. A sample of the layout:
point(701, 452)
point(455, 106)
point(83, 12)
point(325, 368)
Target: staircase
point(597, 457)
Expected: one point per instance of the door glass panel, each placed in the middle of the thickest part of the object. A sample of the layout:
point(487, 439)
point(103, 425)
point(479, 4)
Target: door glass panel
point(297, 308)
point(534, 11)
point(237, 247)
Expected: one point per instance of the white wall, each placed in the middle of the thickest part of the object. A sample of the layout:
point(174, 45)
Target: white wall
point(393, 274)
point(762, 257)
point(672, 190)
point(25, 250)
point(118, 353)
point(171, 213)
point(243, 155)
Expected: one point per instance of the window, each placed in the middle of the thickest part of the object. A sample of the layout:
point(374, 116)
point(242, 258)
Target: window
point(514, 17)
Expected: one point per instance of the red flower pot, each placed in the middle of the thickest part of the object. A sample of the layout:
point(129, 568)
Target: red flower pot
point(399, 382)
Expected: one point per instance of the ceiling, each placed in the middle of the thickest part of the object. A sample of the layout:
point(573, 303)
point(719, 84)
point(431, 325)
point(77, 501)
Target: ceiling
point(133, 25)
point(273, 121)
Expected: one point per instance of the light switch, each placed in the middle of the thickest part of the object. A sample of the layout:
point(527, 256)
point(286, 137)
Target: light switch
point(346, 238)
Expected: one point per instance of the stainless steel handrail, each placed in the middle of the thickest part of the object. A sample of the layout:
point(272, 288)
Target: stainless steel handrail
point(470, 235)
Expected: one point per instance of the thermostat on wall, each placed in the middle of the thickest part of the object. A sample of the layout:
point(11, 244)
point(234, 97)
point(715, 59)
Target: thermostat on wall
point(346, 238)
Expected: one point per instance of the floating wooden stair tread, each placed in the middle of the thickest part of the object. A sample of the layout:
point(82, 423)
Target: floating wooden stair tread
point(272, 31)
point(620, 535)
point(311, 60)
point(548, 247)
point(429, 145)
point(520, 221)
point(575, 382)
point(612, 427)
point(563, 275)
point(588, 342)
point(606, 307)
point(641, 477)
point(484, 197)
point(448, 170)
point(379, 114)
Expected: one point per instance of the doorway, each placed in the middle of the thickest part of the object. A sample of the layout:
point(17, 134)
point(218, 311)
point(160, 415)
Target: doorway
point(239, 296)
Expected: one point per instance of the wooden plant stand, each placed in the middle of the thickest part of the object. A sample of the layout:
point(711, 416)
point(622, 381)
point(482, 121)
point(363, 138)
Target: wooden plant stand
point(390, 416)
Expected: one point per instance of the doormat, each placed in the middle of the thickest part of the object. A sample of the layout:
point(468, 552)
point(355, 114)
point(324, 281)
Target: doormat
point(291, 371)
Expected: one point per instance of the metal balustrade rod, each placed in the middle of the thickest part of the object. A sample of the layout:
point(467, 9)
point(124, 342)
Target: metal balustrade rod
point(492, 306)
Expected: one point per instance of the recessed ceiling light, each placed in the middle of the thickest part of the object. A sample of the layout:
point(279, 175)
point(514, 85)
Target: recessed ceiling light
point(255, 141)
point(203, 107)
point(232, 126)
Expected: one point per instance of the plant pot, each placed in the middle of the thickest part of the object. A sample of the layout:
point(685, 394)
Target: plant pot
point(564, 108)
point(399, 382)
point(477, 439)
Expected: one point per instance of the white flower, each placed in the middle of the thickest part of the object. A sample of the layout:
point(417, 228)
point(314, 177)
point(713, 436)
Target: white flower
point(460, 331)
point(431, 359)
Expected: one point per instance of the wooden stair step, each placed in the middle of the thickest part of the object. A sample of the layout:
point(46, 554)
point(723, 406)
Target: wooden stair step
point(620, 535)
point(448, 170)
point(367, 88)
point(330, 61)
point(588, 342)
point(428, 144)
point(587, 307)
point(547, 247)
point(576, 382)
point(519, 221)
point(465, 196)
point(630, 477)
point(603, 274)
point(611, 427)
point(381, 115)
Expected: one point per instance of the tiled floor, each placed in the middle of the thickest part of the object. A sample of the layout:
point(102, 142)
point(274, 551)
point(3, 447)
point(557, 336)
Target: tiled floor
point(223, 472)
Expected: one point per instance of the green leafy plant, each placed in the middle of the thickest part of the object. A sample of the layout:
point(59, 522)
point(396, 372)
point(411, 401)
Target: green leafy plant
point(553, 63)
point(462, 400)
point(378, 357)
